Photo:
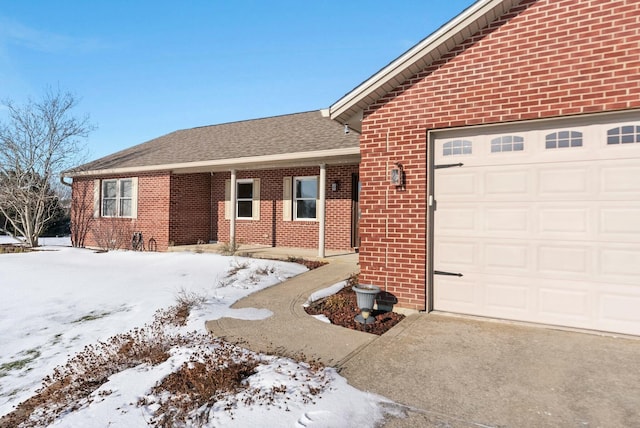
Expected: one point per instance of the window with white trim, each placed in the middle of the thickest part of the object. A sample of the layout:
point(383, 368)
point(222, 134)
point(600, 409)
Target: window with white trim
point(117, 197)
point(244, 195)
point(624, 135)
point(507, 143)
point(247, 201)
point(562, 139)
point(305, 194)
point(456, 147)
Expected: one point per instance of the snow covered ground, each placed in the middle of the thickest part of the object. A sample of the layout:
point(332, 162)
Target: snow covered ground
point(56, 301)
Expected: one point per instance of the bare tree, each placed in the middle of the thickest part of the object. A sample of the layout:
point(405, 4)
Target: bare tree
point(39, 140)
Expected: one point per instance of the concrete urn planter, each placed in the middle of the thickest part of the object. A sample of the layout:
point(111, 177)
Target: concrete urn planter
point(365, 296)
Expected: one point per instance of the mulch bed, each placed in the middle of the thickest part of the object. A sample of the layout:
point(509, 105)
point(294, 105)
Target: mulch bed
point(341, 309)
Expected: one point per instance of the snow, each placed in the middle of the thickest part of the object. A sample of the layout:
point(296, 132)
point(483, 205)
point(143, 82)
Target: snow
point(60, 299)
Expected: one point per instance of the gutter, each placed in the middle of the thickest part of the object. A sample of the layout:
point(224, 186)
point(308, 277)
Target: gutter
point(344, 155)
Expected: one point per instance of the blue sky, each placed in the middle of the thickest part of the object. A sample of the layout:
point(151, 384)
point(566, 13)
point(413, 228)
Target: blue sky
point(142, 69)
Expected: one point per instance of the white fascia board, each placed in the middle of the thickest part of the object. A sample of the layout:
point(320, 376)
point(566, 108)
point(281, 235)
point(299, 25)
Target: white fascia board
point(338, 156)
point(440, 37)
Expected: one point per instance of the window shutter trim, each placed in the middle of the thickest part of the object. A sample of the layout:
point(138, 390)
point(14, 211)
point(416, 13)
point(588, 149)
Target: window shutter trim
point(96, 198)
point(255, 209)
point(227, 199)
point(134, 197)
point(286, 198)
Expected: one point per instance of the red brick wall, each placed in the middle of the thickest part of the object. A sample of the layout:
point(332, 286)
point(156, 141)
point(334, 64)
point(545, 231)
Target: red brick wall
point(271, 229)
point(187, 209)
point(545, 58)
point(152, 219)
point(190, 210)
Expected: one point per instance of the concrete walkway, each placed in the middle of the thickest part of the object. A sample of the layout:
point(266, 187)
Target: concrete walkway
point(447, 371)
point(290, 331)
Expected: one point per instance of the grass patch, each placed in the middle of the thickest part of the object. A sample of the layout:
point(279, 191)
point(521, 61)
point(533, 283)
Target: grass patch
point(19, 364)
point(91, 316)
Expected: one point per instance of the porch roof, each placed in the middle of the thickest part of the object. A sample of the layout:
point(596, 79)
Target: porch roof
point(289, 140)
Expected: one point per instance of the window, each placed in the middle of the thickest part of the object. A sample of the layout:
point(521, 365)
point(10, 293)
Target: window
point(305, 193)
point(244, 199)
point(624, 135)
point(247, 202)
point(507, 143)
point(117, 198)
point(456, 147)
point(563, 139)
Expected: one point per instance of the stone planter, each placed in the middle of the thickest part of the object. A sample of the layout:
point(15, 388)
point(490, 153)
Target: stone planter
point(365, 296)
point(385, 301)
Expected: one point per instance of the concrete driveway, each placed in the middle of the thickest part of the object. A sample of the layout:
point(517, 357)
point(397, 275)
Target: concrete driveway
point(458, 372)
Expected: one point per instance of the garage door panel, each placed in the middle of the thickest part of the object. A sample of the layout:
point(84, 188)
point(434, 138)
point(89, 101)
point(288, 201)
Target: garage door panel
point(618, 309)
point(568, 181)
point(458, 296)
point(507, 220)
point(508, 298)
point(621, 263)
point(564, 260)
point(546, 234)
point(618, 179)
point(507, 183)
point(507, 257)
point(620, 222)
point(458, 185)
point(565, 305)
point(459, 220)
point(564, 220)
point(456, 253)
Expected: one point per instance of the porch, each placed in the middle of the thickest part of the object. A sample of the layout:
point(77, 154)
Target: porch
point(267, 252)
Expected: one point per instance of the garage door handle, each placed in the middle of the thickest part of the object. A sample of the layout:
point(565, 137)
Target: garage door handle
point(439, 272)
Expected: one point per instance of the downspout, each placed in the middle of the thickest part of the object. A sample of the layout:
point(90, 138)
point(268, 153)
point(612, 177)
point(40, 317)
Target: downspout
point(321, 210)
point(64, 182)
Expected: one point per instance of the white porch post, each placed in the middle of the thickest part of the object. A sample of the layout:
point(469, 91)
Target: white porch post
point(321, 206)
point(232, 211)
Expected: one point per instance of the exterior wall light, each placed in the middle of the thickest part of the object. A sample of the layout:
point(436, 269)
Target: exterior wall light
point(397, 175)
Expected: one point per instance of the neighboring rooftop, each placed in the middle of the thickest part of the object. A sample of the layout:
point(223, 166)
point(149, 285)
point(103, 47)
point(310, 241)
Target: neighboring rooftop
point(275, 139)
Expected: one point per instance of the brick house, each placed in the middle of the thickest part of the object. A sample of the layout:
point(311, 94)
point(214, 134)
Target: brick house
point(500, 165)
point(285, 181)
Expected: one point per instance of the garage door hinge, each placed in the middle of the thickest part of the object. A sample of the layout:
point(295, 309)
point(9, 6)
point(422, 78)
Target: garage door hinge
point(447, 165)
point(439, 272)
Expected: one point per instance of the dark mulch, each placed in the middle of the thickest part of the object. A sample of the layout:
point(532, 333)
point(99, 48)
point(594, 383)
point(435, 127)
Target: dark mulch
point(341, 309)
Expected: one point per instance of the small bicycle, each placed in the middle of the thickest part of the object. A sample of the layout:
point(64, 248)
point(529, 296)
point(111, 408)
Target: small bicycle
point(137, 242)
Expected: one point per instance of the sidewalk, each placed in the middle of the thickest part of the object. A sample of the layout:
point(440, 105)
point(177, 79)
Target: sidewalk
point(451, 371)
point(290, 331)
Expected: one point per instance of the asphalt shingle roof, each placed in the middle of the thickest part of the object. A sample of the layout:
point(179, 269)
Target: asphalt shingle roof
point(292, 133)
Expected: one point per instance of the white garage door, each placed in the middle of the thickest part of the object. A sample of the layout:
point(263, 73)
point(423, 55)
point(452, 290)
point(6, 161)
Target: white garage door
point(544, 224)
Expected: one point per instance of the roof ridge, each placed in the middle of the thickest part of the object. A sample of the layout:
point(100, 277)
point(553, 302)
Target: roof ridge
point(250, 120)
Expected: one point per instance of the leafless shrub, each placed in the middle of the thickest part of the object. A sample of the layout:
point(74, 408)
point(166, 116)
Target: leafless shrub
point(185, 301)
point(228, 248)
point(236, 267)
point(112, 233)
point(216, 377)
point(71, 385)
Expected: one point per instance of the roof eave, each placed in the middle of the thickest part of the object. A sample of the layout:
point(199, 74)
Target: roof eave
point(425, 53)
point(335, 156)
